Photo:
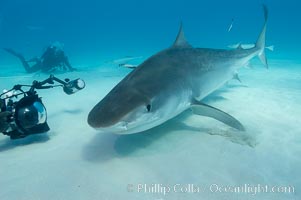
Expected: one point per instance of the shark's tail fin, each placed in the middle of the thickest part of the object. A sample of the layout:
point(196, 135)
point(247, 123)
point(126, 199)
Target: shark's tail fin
point(260, 44)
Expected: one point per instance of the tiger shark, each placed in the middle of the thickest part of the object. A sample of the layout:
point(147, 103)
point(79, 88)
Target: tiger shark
point(170, 82)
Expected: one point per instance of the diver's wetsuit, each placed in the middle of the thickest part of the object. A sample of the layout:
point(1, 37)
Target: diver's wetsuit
point(52, 59)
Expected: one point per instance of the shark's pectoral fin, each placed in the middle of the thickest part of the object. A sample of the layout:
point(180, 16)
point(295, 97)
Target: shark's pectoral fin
point(209, 111)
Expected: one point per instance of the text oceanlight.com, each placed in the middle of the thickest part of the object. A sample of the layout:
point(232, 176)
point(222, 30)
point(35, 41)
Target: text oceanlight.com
point(213, 188)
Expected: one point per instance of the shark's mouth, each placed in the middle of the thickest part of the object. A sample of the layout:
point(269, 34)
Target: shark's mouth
point(161, 108)
point(117, 128)
point(135, 125)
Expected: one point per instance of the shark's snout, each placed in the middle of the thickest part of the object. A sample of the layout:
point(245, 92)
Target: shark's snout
point(99, 118)
point(112, 111)
point(118, 121)
point(106, 113)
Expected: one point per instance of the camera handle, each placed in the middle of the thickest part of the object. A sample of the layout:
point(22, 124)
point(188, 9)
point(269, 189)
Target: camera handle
point(69, 87)
point(50, 80)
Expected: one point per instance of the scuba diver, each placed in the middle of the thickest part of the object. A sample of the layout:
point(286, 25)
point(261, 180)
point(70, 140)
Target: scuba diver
point(52, 59)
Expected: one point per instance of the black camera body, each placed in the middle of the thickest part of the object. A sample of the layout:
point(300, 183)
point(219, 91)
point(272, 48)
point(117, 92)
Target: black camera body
point(28, 115)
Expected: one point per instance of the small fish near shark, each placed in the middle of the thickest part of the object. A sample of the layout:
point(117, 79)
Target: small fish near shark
point(170, 82)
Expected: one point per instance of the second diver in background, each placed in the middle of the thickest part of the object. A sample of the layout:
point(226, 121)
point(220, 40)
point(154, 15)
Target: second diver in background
point(53, 59)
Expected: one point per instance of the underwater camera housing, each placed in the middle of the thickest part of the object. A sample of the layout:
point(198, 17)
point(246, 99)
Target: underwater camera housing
point(28, 115)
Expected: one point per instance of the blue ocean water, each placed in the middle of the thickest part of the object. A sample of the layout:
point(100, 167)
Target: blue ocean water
point(74, 161)
point(97, 29)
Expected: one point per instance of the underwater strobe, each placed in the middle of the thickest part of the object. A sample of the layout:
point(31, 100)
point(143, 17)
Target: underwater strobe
point(28, 115)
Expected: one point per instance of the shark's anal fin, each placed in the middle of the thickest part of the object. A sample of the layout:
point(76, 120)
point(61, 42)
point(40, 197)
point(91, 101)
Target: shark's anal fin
point(209, 111)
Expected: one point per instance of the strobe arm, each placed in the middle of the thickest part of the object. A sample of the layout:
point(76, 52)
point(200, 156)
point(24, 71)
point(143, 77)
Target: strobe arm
point(70, 87)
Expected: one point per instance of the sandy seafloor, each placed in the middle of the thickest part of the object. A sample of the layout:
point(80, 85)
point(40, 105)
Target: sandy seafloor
point(73, 161)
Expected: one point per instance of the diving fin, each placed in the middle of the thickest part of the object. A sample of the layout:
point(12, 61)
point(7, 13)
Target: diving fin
point(13, 53)
point(209, 111)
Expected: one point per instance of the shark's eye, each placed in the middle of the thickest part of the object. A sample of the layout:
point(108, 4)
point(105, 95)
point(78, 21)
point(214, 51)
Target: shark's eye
point(148, 107)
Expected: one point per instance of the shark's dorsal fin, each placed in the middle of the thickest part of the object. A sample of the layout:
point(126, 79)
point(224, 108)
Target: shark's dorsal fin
point(181, 41)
